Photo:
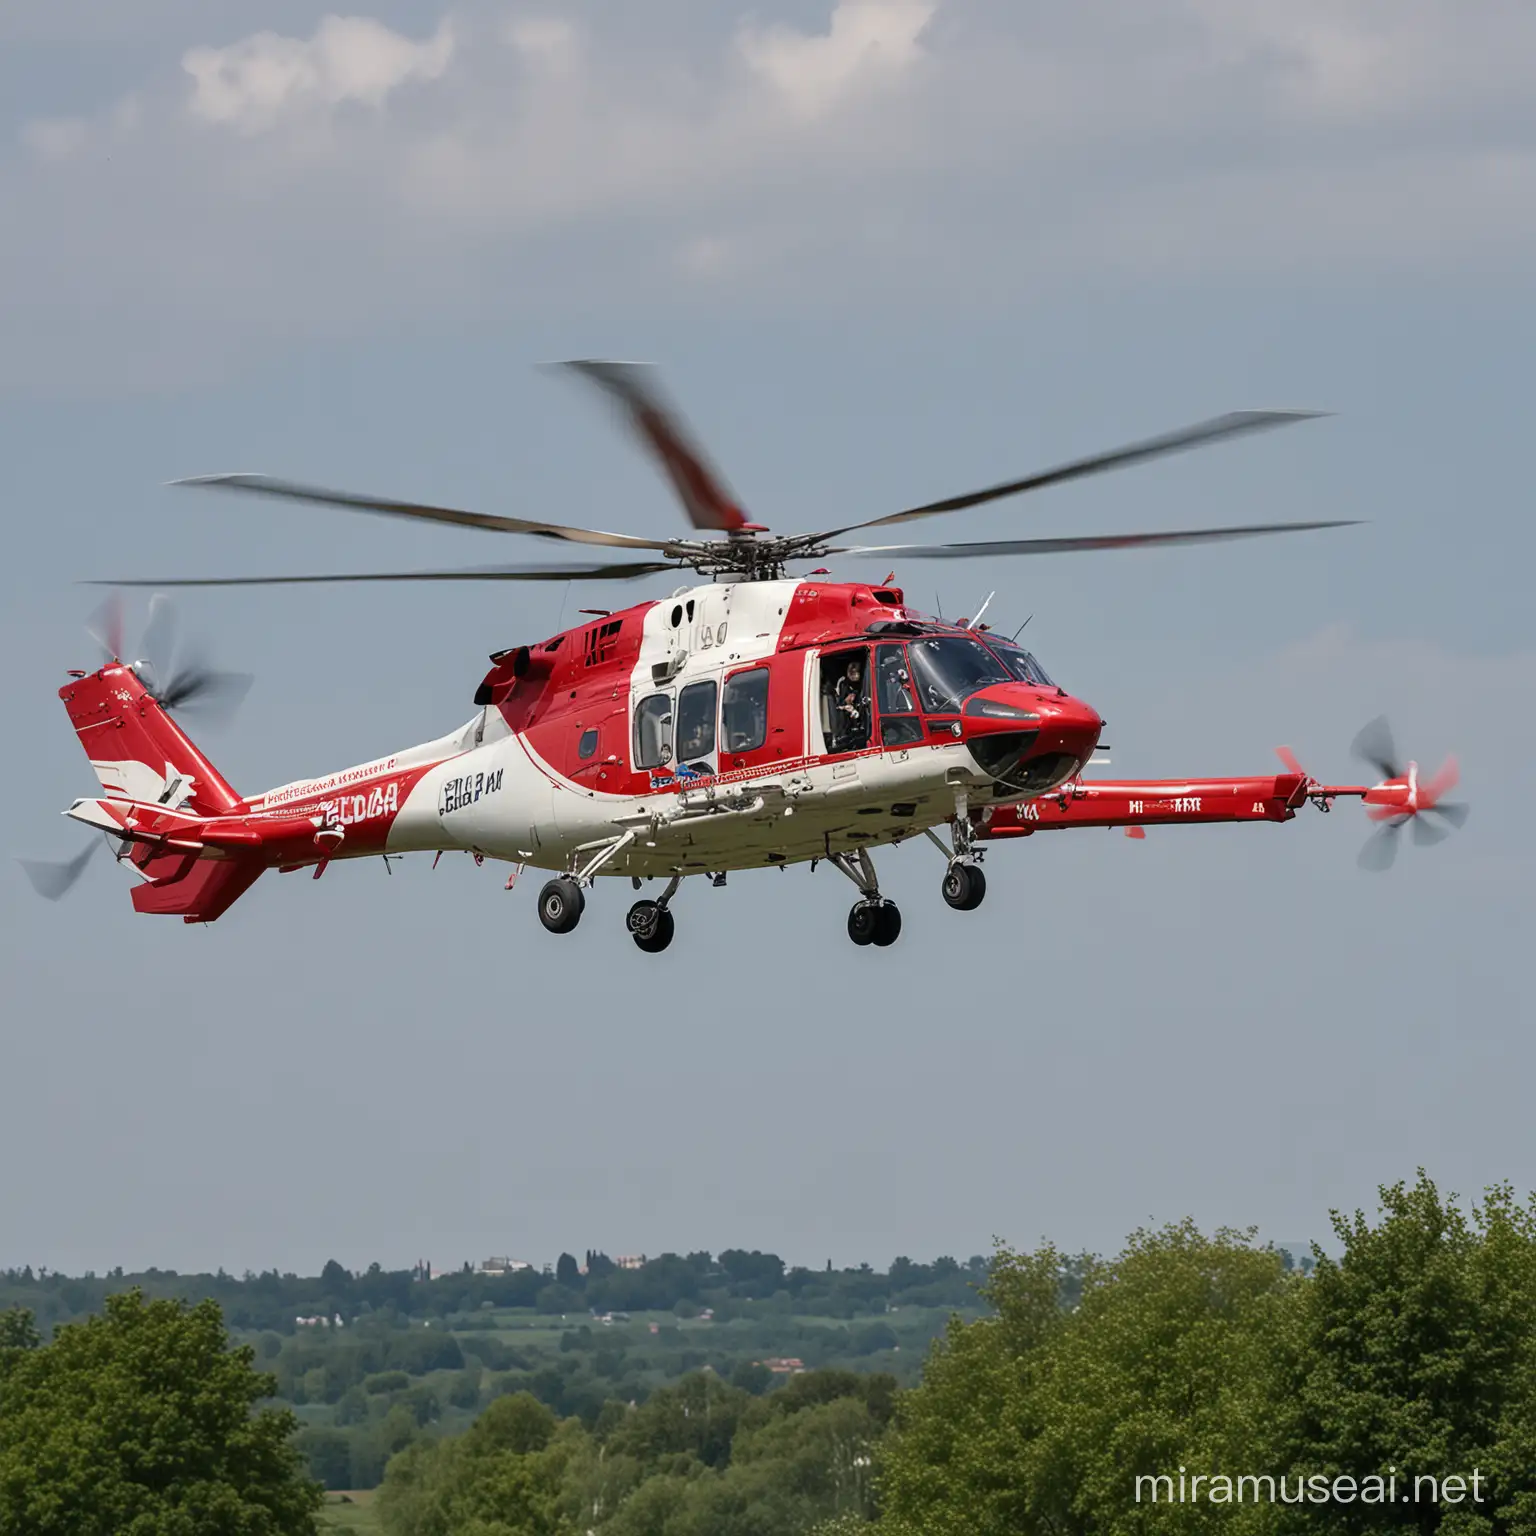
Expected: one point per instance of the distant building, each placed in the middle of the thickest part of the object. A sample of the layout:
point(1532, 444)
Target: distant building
point(784, 1365)
point(502, 1266)
point(630, 1261)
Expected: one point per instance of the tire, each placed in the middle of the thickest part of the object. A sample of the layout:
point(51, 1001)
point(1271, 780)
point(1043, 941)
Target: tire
point(862, 921)
point(887, 924)
point(560, 905)
point(965, 886)
point(659, 937)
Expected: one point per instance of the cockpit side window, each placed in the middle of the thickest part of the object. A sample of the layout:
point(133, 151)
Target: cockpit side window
point(1022, 664)
point(899, 722)
point(653, 731)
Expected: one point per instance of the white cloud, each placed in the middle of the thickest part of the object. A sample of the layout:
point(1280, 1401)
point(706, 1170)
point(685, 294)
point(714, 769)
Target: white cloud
point(56, 138)
point(549, 40)
point(868, 42)
point(255, 83)
point(978, 145)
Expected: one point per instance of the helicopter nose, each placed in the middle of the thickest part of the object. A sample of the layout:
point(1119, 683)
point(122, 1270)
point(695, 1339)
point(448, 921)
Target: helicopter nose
point(1027, 740)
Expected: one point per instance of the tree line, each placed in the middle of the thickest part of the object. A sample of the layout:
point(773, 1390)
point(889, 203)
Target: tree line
point(728, 1284)
point(1183, 1356)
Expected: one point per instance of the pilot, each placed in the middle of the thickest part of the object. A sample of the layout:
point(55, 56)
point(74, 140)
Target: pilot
point(851, 724)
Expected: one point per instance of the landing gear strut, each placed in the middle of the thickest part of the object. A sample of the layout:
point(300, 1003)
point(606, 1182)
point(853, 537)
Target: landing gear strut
point(873, 920)
point(650, 923)
point(965, 882)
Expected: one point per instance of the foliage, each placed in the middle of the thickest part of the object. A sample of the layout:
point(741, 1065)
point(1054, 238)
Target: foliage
point(142, 1421)
point(1415, 1351)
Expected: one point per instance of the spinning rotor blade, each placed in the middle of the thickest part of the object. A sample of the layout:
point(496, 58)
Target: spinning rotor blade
point(1233, 424)
point(700, 487)
point(159, 641)
point(1454, 812)
point(1426, 834)
point(264, 485)
point(52, 880)
point(1076, 544)
point(1380, 849)
point(197, 689)
point(471, 573)
point(1292, 762)
point(1374, 745)
point(105, 627)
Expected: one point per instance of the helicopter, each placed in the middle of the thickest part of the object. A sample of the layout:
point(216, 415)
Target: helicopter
point(751, 720)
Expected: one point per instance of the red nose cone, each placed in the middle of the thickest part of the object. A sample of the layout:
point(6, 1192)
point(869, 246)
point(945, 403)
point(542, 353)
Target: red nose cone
point(1029, 739)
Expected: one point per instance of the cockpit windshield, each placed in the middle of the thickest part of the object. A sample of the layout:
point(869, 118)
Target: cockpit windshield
point(948, 669)
point(1022, 664)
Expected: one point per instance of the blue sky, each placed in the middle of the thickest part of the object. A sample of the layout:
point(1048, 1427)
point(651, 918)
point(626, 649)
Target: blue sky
point(885, 251)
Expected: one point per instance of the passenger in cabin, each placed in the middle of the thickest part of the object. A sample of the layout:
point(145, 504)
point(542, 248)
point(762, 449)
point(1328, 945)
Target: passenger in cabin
point(850, 709)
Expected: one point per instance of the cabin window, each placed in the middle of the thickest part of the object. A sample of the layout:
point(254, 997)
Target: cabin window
point(696, 723)
point(587, 747)
point(744, 710)
point(899, 724)
point(845, 700)
point(653, 731)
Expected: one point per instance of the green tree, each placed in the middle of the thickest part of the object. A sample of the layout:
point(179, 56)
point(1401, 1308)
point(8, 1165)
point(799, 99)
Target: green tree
point(1418, 1351)
point(567, 1272)
point(143, 1420)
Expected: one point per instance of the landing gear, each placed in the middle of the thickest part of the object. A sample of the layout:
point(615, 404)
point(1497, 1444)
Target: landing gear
point(560, 905)
point(650, 923)
point(651, 926)
point(965, 885)
point(873, 920)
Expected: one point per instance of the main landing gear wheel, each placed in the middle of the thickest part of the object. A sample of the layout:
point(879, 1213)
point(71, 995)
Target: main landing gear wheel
point(964, 886)
point(560, 905)
point(651, 926)
point(875, 922)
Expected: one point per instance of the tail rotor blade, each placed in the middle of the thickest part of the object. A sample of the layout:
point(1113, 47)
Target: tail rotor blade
point(1454, 811)
point(105, 627)
point(159, 642)
point(1380, 850)
point(1374, 745)
point(1426, 834)
point(1442, 783)
point(52, 879)
point(1292, 763)
point(200, 690)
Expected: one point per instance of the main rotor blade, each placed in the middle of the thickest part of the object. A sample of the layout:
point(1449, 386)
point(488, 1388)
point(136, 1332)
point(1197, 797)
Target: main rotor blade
point(1081, 543)
point(1374, 745)
point(1217, 429)
point(700, 487)
point(471, 573)
point(289, 490)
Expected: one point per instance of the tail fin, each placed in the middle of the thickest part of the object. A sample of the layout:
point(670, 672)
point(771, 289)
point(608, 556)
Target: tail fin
point(137, 749)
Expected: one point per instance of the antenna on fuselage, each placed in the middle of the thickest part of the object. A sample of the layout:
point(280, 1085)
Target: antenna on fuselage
point(939, 602)
point(976, 622)
point(1020, 630)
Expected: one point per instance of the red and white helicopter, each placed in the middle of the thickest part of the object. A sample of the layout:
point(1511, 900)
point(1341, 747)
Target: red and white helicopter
point(751, 720)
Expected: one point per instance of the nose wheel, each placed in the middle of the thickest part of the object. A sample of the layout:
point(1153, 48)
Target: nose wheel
point(965, 886)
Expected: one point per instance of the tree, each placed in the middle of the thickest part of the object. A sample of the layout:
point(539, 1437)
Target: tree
point(144, 1419)
point(1418, 1350)
point(18, 1330)
point(567, 1272)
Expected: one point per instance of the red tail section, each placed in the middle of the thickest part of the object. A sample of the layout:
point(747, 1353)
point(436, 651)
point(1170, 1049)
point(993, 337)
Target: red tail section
point(138, 751)
point(142, 756)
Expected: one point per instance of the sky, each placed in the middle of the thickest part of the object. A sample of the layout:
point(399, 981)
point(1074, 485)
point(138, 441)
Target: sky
point(884, 251)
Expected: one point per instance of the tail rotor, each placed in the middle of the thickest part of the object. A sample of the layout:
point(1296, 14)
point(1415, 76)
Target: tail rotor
point(1404, 799)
